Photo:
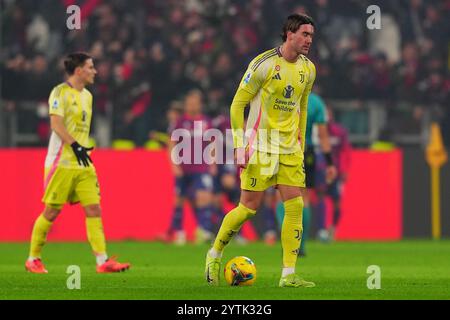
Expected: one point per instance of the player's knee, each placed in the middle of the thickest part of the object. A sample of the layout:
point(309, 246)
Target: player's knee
point(293, 206)
point(93, 211)
point(248, 211)
point(251, 200)
point(252, 204)
point(51, 212)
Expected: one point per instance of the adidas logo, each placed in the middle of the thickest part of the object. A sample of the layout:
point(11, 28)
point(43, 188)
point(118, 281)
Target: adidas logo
point(277, 77)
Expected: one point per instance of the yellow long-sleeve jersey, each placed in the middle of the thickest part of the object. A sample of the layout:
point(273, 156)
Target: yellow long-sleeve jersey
point(76, 109)
point(277, 91)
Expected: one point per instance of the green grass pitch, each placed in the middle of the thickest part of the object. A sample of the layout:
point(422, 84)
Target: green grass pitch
point(409, 270)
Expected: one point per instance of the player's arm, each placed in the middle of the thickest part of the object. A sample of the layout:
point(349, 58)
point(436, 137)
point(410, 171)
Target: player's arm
point(325, 146)
point(240, 101)
point(304, 106)
point(250, 85)
point(57, 125)
point(324, 138)
point(322, 127)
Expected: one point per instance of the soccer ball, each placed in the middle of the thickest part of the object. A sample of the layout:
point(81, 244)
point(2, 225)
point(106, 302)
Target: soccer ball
point(240, 271)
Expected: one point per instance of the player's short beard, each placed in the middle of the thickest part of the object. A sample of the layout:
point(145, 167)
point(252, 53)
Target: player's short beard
point(300, 51)
point(305, 51)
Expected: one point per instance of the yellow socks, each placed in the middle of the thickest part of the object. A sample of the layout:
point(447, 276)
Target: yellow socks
point(95, 235)
point(39, 236)
point(291, 231)
point(231, 225)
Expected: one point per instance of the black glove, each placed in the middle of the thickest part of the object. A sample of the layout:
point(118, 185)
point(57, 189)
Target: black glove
point(81, 154)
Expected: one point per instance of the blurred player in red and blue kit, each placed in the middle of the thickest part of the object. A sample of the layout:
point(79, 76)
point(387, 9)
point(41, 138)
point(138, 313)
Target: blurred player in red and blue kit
point(226, 179)
point(192, 172)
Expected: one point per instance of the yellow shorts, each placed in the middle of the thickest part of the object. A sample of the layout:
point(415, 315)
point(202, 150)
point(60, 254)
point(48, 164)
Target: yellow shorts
point(265, 170)
point(71, 185)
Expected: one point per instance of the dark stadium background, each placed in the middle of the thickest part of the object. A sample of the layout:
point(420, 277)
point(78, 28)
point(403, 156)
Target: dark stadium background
point(385, 85)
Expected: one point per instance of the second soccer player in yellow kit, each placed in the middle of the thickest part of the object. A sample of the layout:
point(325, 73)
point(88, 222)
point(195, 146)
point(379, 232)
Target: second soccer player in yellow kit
point(276, 84)
point(69, 173)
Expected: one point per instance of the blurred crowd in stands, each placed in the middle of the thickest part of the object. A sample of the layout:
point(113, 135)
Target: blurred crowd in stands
point(149, 53)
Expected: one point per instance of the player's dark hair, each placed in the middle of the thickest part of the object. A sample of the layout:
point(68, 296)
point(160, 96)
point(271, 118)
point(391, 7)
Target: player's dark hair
point(75, 60)
point(293, 23)
point(195, 91)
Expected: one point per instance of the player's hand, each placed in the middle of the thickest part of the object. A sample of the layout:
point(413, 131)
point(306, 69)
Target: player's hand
point(82, 154)
point(241, 157)
point(331, 174)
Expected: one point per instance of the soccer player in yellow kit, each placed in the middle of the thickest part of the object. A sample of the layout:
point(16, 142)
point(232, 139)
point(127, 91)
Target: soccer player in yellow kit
point(69, 173)
point(276, 84)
